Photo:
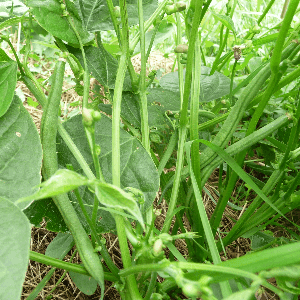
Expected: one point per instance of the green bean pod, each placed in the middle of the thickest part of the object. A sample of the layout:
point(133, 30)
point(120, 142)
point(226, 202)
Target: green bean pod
point(40, 97)
point(49, 124)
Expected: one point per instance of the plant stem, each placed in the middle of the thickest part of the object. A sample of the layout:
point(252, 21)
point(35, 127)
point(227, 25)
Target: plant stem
point(116, 174)
point(148, 23)
point(110, 6)
point(180, 67)
point(184, 114)
point(103, 251)
point(50, 261)
point(142, 87)
point(285, 26)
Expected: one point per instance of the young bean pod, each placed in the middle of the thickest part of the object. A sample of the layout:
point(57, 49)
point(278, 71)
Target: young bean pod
point(86, 251)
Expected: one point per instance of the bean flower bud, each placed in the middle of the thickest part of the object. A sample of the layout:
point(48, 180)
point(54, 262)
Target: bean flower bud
point(157, 247)
point(180, 6)
point(183, 48)
point(173, 8)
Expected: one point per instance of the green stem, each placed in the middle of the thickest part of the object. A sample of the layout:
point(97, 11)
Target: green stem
point(33, 295)
point(231, 81)
point(180, 66)
point(15, 54)
point(155, 30)
point(116, 174)
point(195, 94)
point(184, 114)
point(50, 261)
point(285, 26)
point(151, 286)
point(90, 134)
point(148, 23)
point(265, 11)
point(167, 153)
point(103, 250)
point(110, 6)
point(142, 87)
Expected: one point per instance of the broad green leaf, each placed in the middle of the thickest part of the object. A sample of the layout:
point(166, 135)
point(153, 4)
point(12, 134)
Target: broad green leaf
point(260, 239)
point(247, 294)
point(102, 65)
point(131, 113)
point(14, 250)
point(46, 209)
point(8, 82)
point(137, 167)
point(164, 98)
point(4, 56)
point(61, 182)
point(114, 197)
point(212, 86)
point(60, 246)
point(86, 284)
point(20, 154)
point(226, 21)
point(96, 17)
point(64, 180)
point(48, 14)
point(105, 221)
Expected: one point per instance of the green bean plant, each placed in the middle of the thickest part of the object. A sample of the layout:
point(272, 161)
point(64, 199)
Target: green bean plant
point(105, 169)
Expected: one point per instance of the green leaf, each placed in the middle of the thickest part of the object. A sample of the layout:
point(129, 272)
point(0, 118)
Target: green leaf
point(64, 180)
point(260, 239)
point(12, 21)
point(114, 197)
point(32, 103)
point(102, 65)
point(291, 272)
point(14, 250)
point(247, 294)
point(60, 246)
point(96, 17)
point(8, 82)
point(4, 56)
point(130, 110)
point(61, 182)
point(20, 152)
point(137, 167)
point(226, 21)
point(288, 286)
point(48, 14)
point(166, 98)
point(286, 278)
point(86, 284)
point(212, 86)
